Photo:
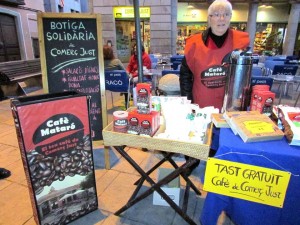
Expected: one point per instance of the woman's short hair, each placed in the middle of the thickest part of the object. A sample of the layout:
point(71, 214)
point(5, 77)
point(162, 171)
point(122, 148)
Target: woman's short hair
point(217, 3)
point(108, 52)
point(135, 45)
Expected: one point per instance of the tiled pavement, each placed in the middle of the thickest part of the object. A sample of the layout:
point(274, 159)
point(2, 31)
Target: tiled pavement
point(114, 186)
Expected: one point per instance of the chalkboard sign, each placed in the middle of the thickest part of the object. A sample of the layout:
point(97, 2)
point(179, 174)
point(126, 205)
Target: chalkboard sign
point(72, 60)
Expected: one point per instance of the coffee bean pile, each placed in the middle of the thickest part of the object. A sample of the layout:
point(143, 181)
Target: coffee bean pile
point(143, 106)
point(46, 169)
point(146, 131)
point(132, 129)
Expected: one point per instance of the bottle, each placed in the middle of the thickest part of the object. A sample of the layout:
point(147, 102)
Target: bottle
point(237, 89)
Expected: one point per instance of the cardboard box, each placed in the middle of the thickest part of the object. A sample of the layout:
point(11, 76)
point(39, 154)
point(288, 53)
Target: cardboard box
point(143, 124)
point(172, 189)
point(133, 122)
point(143, 100)
point(254, 96)
point(265, 101)
point(149, 123)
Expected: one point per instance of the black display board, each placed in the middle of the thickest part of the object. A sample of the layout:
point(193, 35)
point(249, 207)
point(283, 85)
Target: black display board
point(72, 59)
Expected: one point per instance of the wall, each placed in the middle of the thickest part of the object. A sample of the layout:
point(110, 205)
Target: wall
point(26, 22)
point(35, 4)
point(278, 13)
point(68, 6)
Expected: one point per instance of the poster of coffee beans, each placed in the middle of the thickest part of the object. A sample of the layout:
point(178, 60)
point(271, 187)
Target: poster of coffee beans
point(72, 59)
point(54, 137)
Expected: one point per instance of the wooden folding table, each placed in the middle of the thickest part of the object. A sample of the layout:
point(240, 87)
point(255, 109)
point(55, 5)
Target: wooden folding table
point(168, 148)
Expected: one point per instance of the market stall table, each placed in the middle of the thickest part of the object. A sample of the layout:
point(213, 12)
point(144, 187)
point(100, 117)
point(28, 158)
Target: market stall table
point(164, 66)
point(167, 147)
point(283, 80)
point(155, 74)
point(270, 154)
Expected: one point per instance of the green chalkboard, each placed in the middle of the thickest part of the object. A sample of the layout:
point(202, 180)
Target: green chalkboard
point(72, 60)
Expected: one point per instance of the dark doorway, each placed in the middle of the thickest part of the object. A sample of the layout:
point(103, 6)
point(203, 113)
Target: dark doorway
point(9, 44)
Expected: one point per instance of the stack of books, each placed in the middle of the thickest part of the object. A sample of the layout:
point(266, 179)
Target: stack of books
point(251, 126)
point(233, 114)
point(256, 128)
point(219, 120)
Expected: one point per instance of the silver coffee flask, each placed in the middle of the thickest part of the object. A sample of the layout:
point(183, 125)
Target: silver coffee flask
point(238, 80)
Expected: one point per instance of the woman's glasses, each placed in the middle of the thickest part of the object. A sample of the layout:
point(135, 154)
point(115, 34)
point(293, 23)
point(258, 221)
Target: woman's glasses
point(220, 15)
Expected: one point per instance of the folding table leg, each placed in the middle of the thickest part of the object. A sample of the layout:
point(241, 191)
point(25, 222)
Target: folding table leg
point(166, 158)
point(185, 177)
point(106, 157)
point(136, 191)
point(186, 197)
point(155, 186)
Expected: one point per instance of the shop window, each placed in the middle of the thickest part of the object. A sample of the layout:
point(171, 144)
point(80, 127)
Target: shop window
point(36, 48)
point(297, 42)
point(47, 5)
point(13, 2)
point(239, 26)
point(184, 31)
point(269, 38)
point(9, 43)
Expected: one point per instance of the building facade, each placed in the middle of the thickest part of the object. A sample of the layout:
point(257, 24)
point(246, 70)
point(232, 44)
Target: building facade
point(162, 22)
point(19, 29)
point(164, 28)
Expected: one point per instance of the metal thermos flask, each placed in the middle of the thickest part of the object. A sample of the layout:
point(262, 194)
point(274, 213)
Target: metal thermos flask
point(237, 89)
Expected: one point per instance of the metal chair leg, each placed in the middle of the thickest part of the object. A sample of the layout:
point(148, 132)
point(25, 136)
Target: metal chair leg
point(297, 100)
point(112, 99)
point(127, 100)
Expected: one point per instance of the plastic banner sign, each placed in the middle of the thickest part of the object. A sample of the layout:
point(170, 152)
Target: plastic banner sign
point(252, 183)
point(53, 131)
point(128, 12)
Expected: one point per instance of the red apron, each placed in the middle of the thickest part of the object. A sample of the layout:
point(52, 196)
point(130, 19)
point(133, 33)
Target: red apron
point(205, 64)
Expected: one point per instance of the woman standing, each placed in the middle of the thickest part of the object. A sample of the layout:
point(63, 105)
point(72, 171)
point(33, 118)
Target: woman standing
point(202, 76)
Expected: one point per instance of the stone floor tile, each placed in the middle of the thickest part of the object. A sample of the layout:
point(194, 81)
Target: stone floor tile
point(95, 217)
point(112, 219)
point(15, 205)
point(114, 186)
point(31, 221)
point(9, 138)
point(6, 117)
point(9, 122)
point(8, 155)
point(118, 193)
point(106, 180)
point(4, 127)
point(17, 172)
point(3, 184)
